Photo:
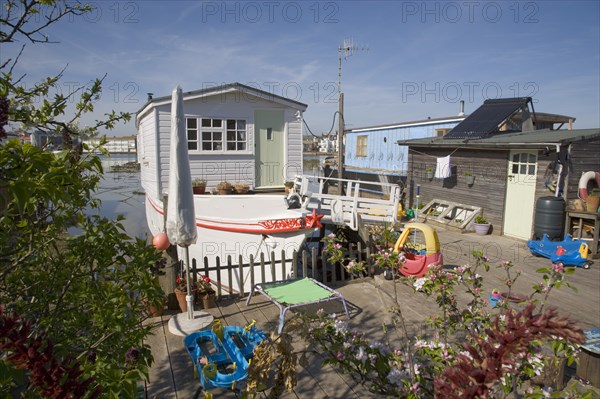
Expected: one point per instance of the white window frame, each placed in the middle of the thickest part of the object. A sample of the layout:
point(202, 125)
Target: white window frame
point(213, 136)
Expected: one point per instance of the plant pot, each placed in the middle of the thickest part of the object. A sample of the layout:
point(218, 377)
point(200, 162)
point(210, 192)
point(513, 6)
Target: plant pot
point(181, 299)
point(208, 301)
point(153, 310)
point(470, 180)
point(430, 174)
point(199, 189)
point(591, 203)
point(224, 191)
point(482, 228)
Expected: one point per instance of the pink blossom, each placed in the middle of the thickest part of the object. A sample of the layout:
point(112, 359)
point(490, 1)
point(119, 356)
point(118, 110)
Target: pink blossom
point(558, 268)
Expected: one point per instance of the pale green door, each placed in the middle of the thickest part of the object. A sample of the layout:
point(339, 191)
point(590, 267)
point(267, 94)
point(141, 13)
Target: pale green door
point(520, 193)
point(269, 130)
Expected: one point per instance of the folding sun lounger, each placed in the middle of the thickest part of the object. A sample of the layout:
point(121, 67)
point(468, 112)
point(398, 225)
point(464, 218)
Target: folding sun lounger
point(291, 294)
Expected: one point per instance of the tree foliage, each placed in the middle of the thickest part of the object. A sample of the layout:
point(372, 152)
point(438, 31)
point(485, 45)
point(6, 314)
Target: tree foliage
point(73, 286)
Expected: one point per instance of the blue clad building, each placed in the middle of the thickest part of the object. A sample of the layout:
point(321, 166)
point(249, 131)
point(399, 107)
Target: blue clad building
point(371, 153)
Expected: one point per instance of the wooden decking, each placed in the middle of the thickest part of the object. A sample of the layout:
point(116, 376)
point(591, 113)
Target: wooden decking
point(369, 300)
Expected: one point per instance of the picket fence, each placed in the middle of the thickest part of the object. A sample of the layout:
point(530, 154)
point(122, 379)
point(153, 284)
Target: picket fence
point(308, 262)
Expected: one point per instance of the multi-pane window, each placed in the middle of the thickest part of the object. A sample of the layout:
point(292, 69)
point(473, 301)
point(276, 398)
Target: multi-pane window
point(361, 146)
point(236, 135)
point(212, 134)
point(524, 164)
point(192, 133)
point(215, 134)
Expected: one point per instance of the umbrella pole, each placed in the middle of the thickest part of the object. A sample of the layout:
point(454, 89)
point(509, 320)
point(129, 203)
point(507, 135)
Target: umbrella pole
point(189, 297)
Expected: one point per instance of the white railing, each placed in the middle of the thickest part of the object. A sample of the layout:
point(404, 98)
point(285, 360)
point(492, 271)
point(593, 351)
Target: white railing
point(350, 205)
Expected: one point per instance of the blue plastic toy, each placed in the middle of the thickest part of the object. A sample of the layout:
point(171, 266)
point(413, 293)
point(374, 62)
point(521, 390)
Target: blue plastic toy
point(220, 356)
point(569, 252)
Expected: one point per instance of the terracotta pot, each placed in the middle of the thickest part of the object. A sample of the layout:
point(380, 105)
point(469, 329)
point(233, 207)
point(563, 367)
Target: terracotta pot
point(153, 310)
point(225, 191)
point(199, 189)
point(208, 301)
point(181, 300)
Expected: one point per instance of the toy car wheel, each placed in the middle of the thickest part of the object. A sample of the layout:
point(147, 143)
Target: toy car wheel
point(388, 275)
point(587, 265)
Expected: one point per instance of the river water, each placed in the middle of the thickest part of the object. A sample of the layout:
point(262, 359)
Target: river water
point(121, 193)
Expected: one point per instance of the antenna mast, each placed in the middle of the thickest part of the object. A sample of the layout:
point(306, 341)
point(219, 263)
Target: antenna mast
point(347, 49)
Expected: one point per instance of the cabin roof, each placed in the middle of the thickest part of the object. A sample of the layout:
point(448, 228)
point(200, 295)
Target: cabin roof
point(224, 89)
point(534, 139)
point(421, 122)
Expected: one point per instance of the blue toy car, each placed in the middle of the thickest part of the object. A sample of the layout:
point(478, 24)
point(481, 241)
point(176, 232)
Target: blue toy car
point(569, 252)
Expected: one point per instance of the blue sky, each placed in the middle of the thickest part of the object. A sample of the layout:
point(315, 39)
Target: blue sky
point(422, 58)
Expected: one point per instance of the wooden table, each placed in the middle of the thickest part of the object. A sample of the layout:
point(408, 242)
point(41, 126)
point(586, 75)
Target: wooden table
point(578, 217)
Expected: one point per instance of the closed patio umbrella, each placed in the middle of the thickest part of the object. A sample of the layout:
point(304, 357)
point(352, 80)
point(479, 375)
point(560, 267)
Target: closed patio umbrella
point(181, 220)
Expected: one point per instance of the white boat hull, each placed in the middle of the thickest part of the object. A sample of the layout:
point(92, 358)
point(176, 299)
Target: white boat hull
point(246, 226)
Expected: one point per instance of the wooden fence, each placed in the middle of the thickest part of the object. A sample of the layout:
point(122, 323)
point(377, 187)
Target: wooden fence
point(308, 262)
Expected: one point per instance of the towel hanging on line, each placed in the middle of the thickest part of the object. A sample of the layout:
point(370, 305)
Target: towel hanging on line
point(442, 168)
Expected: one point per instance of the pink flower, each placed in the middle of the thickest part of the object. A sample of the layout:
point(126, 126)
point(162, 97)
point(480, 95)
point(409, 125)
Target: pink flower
point(558, 268)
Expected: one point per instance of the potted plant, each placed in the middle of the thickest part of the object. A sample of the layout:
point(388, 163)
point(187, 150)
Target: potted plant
point(224, 188)
point(429, 173)
point(199, 185)
point(156, 308)
point(481, 224)
point(469, 178)
point(205, 292)
point(241, 188)
point(181, 293)
point(289, 186)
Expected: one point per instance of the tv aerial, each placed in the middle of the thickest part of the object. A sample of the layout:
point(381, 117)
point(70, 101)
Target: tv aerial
point(347, 49)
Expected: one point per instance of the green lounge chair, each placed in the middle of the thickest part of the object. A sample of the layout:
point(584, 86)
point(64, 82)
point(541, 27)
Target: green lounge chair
point(291, 294)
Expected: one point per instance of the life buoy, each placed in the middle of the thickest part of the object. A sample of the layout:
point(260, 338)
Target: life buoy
point(583, 182)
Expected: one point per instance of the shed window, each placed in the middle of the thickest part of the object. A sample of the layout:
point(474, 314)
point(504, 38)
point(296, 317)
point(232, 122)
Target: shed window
point(216, 135)
point(441, 132)
point(524, 164)
point(361, 146)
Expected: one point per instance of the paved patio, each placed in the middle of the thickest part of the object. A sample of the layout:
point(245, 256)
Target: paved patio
point(369, 300)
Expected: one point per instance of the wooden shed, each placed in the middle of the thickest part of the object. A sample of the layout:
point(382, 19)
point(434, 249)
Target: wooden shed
point(511, 169)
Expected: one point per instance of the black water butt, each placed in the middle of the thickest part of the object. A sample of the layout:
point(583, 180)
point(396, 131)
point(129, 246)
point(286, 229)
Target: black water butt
point(549, 218)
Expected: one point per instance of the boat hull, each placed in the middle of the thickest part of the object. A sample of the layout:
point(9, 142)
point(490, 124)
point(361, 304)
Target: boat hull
point(234, 229)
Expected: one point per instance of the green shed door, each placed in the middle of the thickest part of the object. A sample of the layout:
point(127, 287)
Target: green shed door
point(269, 129)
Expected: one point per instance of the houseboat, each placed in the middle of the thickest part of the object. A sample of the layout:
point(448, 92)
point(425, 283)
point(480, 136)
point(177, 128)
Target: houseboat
point(239, 134)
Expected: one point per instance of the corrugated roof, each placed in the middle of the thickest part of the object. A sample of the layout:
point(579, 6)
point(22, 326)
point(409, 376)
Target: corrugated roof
point(536, 138)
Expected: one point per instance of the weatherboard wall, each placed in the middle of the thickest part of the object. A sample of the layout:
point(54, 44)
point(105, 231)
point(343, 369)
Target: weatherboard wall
point(585, 157)
point(490, 168)
point(240, 166)
point(382, 152)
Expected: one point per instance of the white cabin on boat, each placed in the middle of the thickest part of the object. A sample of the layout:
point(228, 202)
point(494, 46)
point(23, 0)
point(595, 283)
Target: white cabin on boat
point(235, 133)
